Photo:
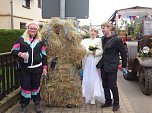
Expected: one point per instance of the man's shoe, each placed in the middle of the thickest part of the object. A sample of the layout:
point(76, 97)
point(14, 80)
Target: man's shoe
point(38, 108)
point(106, 105)
point(116, 107)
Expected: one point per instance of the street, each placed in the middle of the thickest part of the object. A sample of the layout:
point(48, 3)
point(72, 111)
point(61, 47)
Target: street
point(140, 102)
point(132, 100)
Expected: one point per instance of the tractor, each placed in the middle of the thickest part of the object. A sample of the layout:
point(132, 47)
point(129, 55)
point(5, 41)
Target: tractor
point(138, 43)
point(139, 62)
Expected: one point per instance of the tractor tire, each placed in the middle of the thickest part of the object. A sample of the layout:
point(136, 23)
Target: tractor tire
point(145, 81)
point(131, 49)
point(130, 76)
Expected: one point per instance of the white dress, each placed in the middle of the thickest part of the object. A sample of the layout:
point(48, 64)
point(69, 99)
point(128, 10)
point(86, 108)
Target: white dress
point(92, 84)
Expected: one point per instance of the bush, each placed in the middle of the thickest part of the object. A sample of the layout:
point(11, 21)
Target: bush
point(7, 39)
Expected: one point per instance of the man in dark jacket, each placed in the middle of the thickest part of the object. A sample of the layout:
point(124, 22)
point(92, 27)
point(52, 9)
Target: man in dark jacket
point(112, 46)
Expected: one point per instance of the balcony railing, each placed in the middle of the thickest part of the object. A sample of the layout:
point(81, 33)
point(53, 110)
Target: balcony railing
point(9, 80)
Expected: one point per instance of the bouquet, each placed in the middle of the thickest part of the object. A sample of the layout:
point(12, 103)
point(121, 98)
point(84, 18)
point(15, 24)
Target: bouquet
point(93, 47)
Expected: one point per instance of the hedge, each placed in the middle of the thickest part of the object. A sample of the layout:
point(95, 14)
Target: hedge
point(7, 39)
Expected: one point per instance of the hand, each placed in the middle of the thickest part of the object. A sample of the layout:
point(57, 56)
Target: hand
point(44, 72)
point(23, 55)
point(120, 67)
point(124, 71)
point(94, 52)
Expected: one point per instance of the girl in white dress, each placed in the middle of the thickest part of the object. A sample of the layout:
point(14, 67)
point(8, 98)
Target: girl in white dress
point(91, 84)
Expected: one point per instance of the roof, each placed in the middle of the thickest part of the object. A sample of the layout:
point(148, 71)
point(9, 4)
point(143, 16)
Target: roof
point(136, 7)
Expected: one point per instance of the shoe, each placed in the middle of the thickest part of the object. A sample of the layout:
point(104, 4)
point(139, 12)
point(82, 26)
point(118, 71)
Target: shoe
point(49, 105)
point(23, 109)
point(38, 108)
point(70, 106)
point(116, 107)
point(106, 105)
point(92, 102)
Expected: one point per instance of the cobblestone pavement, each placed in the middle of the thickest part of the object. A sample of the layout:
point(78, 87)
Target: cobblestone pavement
point(125, 107)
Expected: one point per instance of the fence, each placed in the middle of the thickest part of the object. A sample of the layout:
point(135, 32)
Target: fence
point(8, 75)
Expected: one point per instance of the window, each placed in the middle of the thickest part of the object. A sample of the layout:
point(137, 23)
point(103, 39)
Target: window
point(26, 3)
point(39, 3)
point(147, 27)
point(22, 25)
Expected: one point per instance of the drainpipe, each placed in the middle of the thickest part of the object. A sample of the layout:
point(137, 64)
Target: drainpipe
point(12, 21)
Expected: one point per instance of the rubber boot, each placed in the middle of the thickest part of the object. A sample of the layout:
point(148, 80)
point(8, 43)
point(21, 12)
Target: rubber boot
point(23, 108)
point(38, 107)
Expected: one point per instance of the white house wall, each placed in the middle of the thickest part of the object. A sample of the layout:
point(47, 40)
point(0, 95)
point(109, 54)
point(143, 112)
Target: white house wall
point(4, 14)
point(5, 22)
point(33, 13)
point(4, 7)
point(20, 14)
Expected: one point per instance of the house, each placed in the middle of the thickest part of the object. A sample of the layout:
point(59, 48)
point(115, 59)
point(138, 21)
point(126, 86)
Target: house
point(135, 14)
point(131, 13)
point(14, 14)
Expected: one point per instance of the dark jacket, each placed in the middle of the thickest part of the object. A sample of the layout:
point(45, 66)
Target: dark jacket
point(111, 50)
point(37, 54)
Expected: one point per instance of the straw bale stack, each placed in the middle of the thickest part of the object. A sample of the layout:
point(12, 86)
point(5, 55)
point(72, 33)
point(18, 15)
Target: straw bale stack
point(64, 84)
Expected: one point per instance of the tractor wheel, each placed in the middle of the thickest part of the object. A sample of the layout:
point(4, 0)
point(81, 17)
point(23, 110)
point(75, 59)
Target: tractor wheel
point(130, 76)
point(145, 81)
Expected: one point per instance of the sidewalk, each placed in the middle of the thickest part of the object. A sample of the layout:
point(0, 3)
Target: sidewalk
point(125, 107)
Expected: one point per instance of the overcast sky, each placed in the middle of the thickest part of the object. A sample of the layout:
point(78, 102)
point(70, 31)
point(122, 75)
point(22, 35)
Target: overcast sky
point(100, 11)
